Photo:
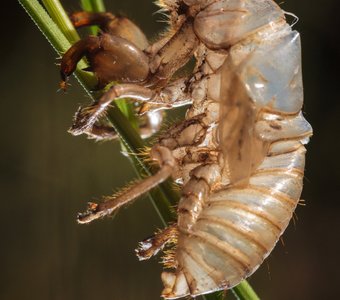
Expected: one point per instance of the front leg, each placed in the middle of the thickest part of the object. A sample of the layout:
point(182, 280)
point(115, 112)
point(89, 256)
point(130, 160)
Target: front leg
point(149, 124)
point(168, 97)
point(111, 58)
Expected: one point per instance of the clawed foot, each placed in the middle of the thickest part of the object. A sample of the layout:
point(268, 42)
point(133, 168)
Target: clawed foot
point(85, 118)
point(152, 245)
point(147, 248)
point(90, 214)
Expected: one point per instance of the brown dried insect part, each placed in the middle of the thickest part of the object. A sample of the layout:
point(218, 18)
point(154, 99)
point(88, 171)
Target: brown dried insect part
point(239, 153)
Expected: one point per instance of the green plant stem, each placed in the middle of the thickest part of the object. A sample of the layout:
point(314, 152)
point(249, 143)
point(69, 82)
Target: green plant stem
point(51, 31)
point(93, 5)
point(165, 195)
point(98, 5)
point(86, 5)
point(244, 291)
point(58, 14)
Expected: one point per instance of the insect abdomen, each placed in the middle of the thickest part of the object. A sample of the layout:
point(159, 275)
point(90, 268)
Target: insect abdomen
point(239, 227)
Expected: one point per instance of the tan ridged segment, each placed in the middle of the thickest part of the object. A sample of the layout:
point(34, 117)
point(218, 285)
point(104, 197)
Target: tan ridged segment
point(210, 272)
point(284, 198)
point(239, 206)
point(236, 255)
point(250, 236)
point(280, 171)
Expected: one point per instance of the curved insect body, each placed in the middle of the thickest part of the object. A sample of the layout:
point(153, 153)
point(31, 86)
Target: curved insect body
point(239, 152)
point(261, 133)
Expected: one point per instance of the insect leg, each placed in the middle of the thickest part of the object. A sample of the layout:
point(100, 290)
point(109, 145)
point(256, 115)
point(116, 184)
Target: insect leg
point(84, 18)
point(151, 246)
point(111, 58)
point(74, 55)
point(101, 132)
point(113, 25)
point(167, 163)
point(173, 55)
point(149, 124)
point(165, 98)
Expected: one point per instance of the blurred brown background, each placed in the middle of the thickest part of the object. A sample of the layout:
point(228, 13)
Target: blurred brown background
point(47, 176)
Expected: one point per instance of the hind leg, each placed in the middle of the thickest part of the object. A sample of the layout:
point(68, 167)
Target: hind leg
point(151, 246)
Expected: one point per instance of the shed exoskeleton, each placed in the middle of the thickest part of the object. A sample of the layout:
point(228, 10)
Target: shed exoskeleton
point(239, 154)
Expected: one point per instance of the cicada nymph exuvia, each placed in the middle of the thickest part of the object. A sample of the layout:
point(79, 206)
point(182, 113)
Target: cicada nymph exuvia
point(238, 154)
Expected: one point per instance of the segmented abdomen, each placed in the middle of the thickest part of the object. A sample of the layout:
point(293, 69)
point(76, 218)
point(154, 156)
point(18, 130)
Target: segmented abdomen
point(239, 227)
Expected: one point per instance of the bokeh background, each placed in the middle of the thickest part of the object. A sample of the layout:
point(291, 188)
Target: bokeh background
point(47, 176)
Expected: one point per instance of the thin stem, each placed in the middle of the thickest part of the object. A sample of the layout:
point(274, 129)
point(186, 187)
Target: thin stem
point(244, 291)
point(58, 14)
point(43, 21)
point(86, 5)
point(98, 5)
point(93, 5)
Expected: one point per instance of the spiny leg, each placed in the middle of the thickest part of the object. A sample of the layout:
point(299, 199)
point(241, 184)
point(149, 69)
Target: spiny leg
point(151, 246)
point(173, 55)
point(87, 116)
point(98, 50)
point(149, 124)
point(135, 66)
point(167, 163)
point(168, 97)
point(117, 26)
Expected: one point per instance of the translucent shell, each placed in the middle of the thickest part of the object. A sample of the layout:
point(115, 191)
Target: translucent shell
point(261, 135)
